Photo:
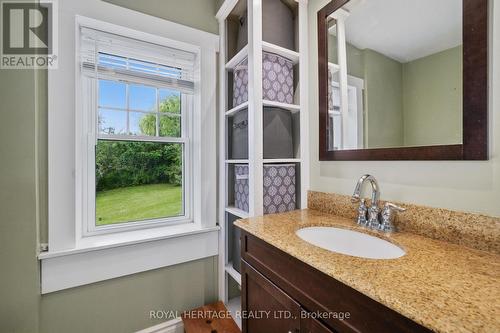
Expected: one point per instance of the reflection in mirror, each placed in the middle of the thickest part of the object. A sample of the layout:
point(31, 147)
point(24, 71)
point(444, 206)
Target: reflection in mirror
point(395, 74)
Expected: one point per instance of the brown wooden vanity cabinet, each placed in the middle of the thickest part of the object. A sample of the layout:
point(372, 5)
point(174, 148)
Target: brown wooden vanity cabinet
point(283, 294)
point(270, 309)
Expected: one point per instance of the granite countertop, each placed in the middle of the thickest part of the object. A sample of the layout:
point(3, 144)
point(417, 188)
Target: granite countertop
point(440, 285)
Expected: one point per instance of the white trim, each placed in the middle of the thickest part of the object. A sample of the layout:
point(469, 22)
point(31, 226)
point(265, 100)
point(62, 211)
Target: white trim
point(225, 9)
point(63, 233)
point(185, 36)
point(304, 101)
point(65, 241)
point(281, 51)
point(236, 161)
point(223, 168)
point(172, 326)
point(236, 212)
point(234, 307)
point(255, 107)
point(233, 273)
point(281, 160)
point(125, 238)
point(67, 271)
point(237, 108)
point(87, 132)
point(238, 58)
point(290, 107)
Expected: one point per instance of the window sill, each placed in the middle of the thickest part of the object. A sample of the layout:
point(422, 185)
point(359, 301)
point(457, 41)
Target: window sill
point(101, 242)
point(109, 256)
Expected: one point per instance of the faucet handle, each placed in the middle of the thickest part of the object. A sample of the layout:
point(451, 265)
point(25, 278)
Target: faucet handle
point(362, 212)
point(387, 216)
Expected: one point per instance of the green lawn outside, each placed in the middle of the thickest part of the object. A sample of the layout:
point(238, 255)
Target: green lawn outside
point(138, 203)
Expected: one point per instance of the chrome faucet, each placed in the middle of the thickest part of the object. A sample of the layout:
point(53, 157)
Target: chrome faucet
point(373, 211)
point(371, 217)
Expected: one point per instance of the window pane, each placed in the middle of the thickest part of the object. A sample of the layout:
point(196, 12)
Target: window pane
point(112, 94)
point(170, 126)
point(142, 98)
point(112, 122)
point(138, 181)
point(170, 101)
point(142, 123)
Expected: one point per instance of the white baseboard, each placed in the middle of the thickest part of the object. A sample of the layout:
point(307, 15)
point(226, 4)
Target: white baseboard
point(171, 326)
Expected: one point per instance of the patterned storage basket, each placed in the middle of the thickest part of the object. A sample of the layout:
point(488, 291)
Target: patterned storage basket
point(279, 188)
point(241, 189)
point(277, 80)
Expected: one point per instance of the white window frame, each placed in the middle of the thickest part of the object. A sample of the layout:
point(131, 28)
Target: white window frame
point(87, 136)
point(72, 259)
point(89, 111)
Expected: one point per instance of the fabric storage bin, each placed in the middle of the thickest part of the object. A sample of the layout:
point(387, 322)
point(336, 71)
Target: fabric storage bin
point(242, 39)
point(239, 135)
point(241, 189)
point(278, 133)
point(236, 249)
point(240, 83)
point(277, 80)
point(277, 25)
point(279, 188)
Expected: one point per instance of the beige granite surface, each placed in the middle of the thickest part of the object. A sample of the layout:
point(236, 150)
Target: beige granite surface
point(472, 230)
point(443, 286)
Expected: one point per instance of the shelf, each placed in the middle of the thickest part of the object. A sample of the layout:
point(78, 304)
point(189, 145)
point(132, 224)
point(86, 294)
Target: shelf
point(231, 64)
point(237, 212)
point(289, 54)
point(233, 273)
point(236, 109)
point(267, 47)
point(281, 160)
point(290, 107)
point(234, 307)
point(236, 161)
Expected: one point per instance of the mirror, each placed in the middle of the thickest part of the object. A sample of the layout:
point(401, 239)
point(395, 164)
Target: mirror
point(395, 79)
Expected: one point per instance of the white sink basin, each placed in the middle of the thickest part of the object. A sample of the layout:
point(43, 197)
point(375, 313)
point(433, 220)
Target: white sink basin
point(350, 242)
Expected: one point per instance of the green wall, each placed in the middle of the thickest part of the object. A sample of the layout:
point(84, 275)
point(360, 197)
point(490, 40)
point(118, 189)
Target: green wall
point(383, 101)
point(19, 276)
point(123, 304)
point(355, 57)
point(432, 99)
point(117, 305)
point(406, 104)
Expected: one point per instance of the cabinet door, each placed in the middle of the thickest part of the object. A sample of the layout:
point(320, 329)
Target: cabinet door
point(265, 307)
point(312, 325)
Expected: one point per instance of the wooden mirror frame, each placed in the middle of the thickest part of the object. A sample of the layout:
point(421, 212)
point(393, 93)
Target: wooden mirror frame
point(475, 96)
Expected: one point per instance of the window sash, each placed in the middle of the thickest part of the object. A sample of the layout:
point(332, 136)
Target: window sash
point(185, 104)
point(89, 227)
point(93, 229)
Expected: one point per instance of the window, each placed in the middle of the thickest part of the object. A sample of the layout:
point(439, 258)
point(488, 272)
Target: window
point(137, 100)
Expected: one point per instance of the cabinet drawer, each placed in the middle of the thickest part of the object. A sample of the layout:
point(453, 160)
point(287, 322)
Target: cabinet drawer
point(318, 292)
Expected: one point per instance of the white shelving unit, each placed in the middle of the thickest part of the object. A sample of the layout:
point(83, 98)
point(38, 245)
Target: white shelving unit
point(229, 58)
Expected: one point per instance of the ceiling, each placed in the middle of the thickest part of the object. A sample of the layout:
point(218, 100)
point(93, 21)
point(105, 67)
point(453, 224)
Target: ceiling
point(404, 30)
